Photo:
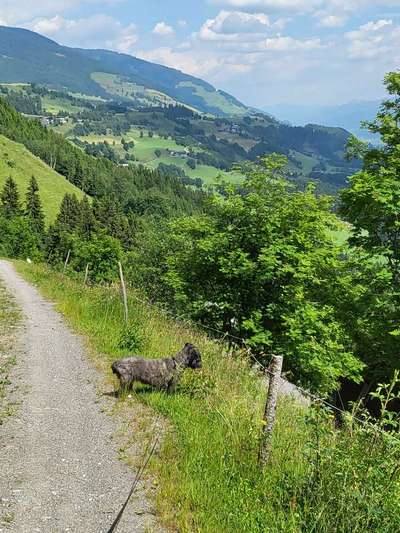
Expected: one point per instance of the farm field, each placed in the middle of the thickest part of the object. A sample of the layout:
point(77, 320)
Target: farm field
point(145, 148)
point(15, 160)
point(57, 105)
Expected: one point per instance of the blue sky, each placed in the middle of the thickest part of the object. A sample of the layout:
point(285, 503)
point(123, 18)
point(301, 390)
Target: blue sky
point(265, 52)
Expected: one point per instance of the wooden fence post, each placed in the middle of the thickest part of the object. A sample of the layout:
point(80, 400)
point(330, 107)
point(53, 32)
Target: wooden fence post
point(274, 371)
point(66, 261)
point(123, 292)
point(86, 274)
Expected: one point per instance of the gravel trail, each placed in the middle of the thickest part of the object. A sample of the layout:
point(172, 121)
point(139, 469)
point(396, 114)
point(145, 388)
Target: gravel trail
point(59, 469)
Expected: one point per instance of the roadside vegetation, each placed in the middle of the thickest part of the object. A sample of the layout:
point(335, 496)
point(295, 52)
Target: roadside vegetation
point(9, 320)
point(319, 478)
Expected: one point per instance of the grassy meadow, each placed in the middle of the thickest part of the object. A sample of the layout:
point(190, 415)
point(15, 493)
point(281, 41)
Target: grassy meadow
point(15, 159)
point(145, 148)
point(318, 479)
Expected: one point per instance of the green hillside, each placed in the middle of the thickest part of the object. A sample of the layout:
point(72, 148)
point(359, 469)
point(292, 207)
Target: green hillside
point(27, 57)
point(16, 161)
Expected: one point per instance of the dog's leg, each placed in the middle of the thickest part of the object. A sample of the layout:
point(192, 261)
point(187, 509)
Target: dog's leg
point(172, 384)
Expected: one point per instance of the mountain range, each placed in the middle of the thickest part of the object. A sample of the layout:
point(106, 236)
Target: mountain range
point(27, 57)
point(348, 116)
point(103, 95)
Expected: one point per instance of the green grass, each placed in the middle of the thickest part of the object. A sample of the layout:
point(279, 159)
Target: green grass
point(318, 479)
point(55, 105)
point(9, 321)
point(308, 163)
point(18, 162)
point(116, 85)
point(215, 99)
point(207, 173)
point(146, 146)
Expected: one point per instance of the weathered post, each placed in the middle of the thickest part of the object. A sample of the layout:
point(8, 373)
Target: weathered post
point(123, 292)
point(86, 274)
point(274, 371)
point(66, 261)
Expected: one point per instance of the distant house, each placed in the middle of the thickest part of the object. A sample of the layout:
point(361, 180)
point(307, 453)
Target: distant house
point(177, 153)
point(45, 121)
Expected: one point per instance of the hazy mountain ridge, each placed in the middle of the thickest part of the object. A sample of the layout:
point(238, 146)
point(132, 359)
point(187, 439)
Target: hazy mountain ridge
point(348, 116)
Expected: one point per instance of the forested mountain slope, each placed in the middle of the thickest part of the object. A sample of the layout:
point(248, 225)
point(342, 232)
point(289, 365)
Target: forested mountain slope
point(28, 57)
point(16, 161)
point(136, 187)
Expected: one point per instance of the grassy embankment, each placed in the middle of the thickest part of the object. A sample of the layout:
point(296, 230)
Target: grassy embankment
point(16, 161)
point(9, 321)
point(318, 479)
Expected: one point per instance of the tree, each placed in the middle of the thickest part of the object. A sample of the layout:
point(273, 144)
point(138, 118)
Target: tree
point(9, 200)
point(372, 205)
point(88, 225)
point(34, 210)
point(102, 253)
point(69, 216)
point(372, 202)
point(261, 264)
point(191, 163)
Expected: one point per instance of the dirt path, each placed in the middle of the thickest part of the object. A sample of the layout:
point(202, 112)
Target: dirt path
point(59, 469)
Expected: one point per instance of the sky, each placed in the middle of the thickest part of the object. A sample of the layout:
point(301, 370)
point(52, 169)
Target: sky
point(264, 52)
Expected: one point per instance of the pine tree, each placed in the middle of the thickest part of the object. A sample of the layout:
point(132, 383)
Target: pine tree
point(69, 216)
point(34, 209)
point(88, 221)
point(9, 200)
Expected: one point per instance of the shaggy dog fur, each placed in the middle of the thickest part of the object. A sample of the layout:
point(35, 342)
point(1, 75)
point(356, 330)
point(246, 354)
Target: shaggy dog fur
point(158, 373)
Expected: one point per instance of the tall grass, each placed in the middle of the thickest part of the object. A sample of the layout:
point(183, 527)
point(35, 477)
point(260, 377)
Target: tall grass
point(319, 479)
point(9, 321)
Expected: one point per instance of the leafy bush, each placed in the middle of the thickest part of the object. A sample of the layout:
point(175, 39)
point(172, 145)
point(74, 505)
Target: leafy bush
point(102, 253)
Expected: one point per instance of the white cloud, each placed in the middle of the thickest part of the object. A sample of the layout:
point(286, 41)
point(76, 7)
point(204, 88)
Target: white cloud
point(305, 5)
point(190, 63)
point(276, 5)
point(234, 25)
point(333, 21)
point(375, 40)
point(97, 31)
point(288, 44)
point(163, 29)
point(18, 11)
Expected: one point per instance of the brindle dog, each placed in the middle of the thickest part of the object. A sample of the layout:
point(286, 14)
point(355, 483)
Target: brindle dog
point(162, 374)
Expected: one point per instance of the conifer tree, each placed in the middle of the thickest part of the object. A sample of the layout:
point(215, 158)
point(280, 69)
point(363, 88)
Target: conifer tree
point(69, 216)
point(88, 221)
point(9, 200)
point(34, 210)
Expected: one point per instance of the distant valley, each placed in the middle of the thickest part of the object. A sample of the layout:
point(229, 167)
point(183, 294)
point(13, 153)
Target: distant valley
point(134, 112)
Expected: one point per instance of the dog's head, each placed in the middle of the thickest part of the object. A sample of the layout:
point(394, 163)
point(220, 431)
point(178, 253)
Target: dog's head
point(193, 356)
